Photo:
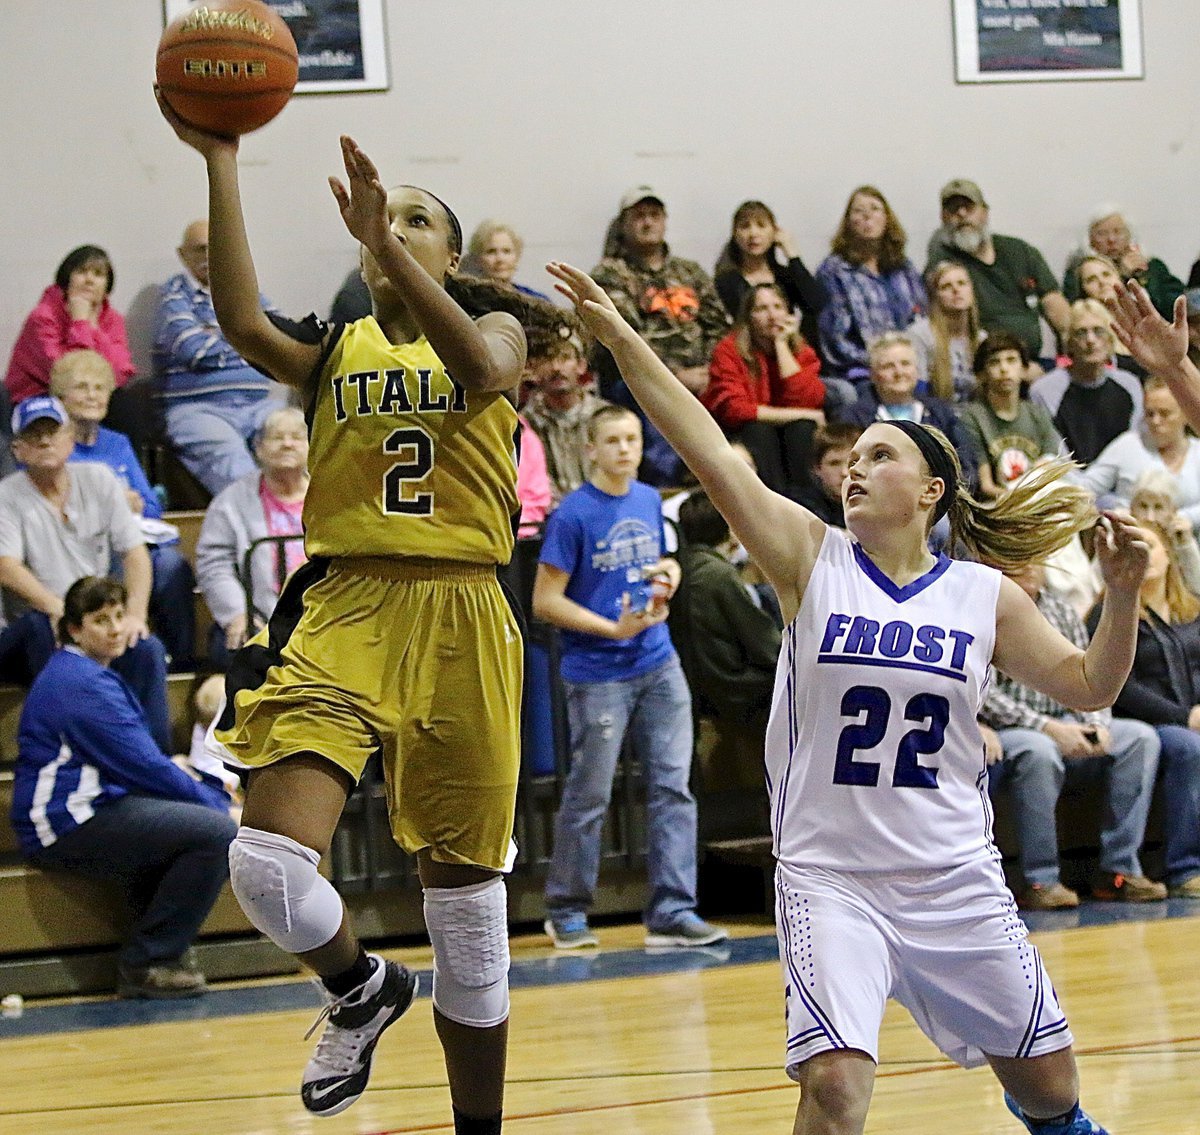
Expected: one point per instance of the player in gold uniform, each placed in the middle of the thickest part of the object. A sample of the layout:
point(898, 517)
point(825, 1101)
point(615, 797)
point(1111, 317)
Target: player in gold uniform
point(394, 638)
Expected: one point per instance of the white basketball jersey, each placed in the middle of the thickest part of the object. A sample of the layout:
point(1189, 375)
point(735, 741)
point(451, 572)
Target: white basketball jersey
point(874, 759)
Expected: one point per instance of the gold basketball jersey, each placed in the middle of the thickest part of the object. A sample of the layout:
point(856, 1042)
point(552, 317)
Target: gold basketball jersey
point(404, 461)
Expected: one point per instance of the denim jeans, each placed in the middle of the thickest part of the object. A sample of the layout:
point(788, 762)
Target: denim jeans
point(1035, 772)
point(28, 641)
point(655, 709)
point(170, 859)
point(212, 433)
point(172, 604)
point(1180, 763)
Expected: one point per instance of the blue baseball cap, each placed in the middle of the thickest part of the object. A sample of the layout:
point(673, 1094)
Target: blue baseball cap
point(41, 406)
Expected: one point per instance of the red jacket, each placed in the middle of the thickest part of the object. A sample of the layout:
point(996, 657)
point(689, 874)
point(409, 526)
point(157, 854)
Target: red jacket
point(49, 333)
point(734, 395)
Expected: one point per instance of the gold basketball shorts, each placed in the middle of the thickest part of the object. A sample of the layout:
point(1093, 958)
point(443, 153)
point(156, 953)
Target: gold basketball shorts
point(419, 661)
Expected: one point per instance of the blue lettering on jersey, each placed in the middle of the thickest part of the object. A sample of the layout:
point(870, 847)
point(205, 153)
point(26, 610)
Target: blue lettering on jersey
point(394, 392)
point(853, 639)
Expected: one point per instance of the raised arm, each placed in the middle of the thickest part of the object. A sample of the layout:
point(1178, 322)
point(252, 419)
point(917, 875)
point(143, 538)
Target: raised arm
point(781, 537)
point(232, 278)
point(488, 354)
point(1030, 650)
point(1159, 346)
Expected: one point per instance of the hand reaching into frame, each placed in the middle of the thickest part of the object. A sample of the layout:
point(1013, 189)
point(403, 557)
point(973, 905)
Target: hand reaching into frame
point(591, 303)
point(1122, 551)
point(362, 201)
point(1157, 345)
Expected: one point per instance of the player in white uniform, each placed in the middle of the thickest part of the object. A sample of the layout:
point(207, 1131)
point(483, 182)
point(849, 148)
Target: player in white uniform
point(888, 884)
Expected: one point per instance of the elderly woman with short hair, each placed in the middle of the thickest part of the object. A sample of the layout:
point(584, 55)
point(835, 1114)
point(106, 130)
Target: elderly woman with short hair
point(267, 502)
point(1109, 235)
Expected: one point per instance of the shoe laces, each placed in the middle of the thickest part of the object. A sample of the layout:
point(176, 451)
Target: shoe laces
point(338, 1047)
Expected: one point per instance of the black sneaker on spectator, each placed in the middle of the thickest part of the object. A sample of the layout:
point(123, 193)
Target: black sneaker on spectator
point(339, 1069)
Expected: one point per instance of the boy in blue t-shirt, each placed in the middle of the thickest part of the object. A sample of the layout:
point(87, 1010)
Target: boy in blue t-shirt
point(603, 581)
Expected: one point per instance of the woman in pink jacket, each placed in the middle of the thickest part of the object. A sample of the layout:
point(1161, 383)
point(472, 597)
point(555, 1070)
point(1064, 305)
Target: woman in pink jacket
point(765, 387)
point(73, 313)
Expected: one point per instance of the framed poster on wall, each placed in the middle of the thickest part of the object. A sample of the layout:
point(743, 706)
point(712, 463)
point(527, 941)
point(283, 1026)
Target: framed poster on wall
point(342, 43)
point(1022, 41)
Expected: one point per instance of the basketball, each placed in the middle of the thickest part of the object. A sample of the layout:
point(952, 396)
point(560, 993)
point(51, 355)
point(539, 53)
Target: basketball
point(228, 67)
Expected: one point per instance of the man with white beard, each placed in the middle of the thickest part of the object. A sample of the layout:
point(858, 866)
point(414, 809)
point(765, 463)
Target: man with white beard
point(1012, 280)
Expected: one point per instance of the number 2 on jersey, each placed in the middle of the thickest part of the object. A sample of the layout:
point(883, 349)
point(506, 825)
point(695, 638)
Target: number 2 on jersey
point(414, 443)
point(931, 709)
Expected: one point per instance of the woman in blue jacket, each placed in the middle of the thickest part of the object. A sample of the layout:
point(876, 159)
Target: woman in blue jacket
point(94, 794)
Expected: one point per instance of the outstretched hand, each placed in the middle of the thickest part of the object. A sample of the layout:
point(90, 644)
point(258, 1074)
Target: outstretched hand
point(1157, 345)
point(203, 143)
point(364, 204)
point(1122, 550)
point(591, 303)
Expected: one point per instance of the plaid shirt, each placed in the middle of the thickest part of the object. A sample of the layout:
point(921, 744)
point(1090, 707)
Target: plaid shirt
point(1010, 705)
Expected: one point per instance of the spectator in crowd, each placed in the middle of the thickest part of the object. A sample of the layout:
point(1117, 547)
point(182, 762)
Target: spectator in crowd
point(871, 285)
point(1010, 433)
point(728, 647)
point(1090, 401)
point(727, 644)
point(1098, 278)
point(822, 495)
point(83, 381)
point(946, 338)
point(1008, 274)
point(892, 393)
point(494, 252)
point(765, 387)
point(73, 312)
point(533, 481)
point(215, 401)
point(1161, 442)
point(603, 581)
point(1109, 235)
point(669, 301)
point(1154, 500)
point(94, 793)
point(59, 523)
point(1043, 746)
point(1163, 689)
point(267, 502)
point(760, 252)
point(560, 405)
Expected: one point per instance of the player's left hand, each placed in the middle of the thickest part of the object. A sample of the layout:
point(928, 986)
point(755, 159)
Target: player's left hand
point(363, 204)
point(592, 303)
point(1122, 550)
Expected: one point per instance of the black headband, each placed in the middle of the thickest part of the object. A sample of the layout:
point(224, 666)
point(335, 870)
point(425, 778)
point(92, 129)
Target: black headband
point(936, 457)
point(455, 226)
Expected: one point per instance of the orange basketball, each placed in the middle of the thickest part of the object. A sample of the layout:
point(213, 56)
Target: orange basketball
point(227, 67)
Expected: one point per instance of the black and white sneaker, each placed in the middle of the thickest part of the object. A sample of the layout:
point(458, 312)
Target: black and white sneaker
point(339, 1069)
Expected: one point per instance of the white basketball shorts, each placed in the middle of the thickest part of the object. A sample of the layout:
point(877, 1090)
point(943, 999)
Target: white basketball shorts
point(948, 945)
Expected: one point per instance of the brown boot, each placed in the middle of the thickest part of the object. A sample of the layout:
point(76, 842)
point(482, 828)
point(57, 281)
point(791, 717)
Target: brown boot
point(160, 982)
point(1047, 896)
point(1110, 887)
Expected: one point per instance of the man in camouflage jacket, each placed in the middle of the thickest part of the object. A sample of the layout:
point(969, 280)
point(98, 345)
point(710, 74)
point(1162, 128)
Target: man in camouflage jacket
point(672, 304)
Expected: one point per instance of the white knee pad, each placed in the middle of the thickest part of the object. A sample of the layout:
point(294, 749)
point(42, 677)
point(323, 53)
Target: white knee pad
point(276, 881)
point(468, 927)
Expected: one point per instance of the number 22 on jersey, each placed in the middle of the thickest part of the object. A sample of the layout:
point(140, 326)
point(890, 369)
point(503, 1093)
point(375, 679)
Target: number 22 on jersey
point(871, 706)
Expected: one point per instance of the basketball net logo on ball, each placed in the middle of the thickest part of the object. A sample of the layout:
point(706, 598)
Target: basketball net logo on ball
point(227, 67)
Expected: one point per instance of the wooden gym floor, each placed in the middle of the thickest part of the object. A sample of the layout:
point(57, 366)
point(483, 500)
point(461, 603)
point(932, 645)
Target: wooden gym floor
point(614, 1042)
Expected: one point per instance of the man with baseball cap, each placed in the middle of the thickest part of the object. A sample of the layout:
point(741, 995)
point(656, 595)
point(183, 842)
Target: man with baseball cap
point(1012, 281)
point(671, 302)
point(58, 523)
